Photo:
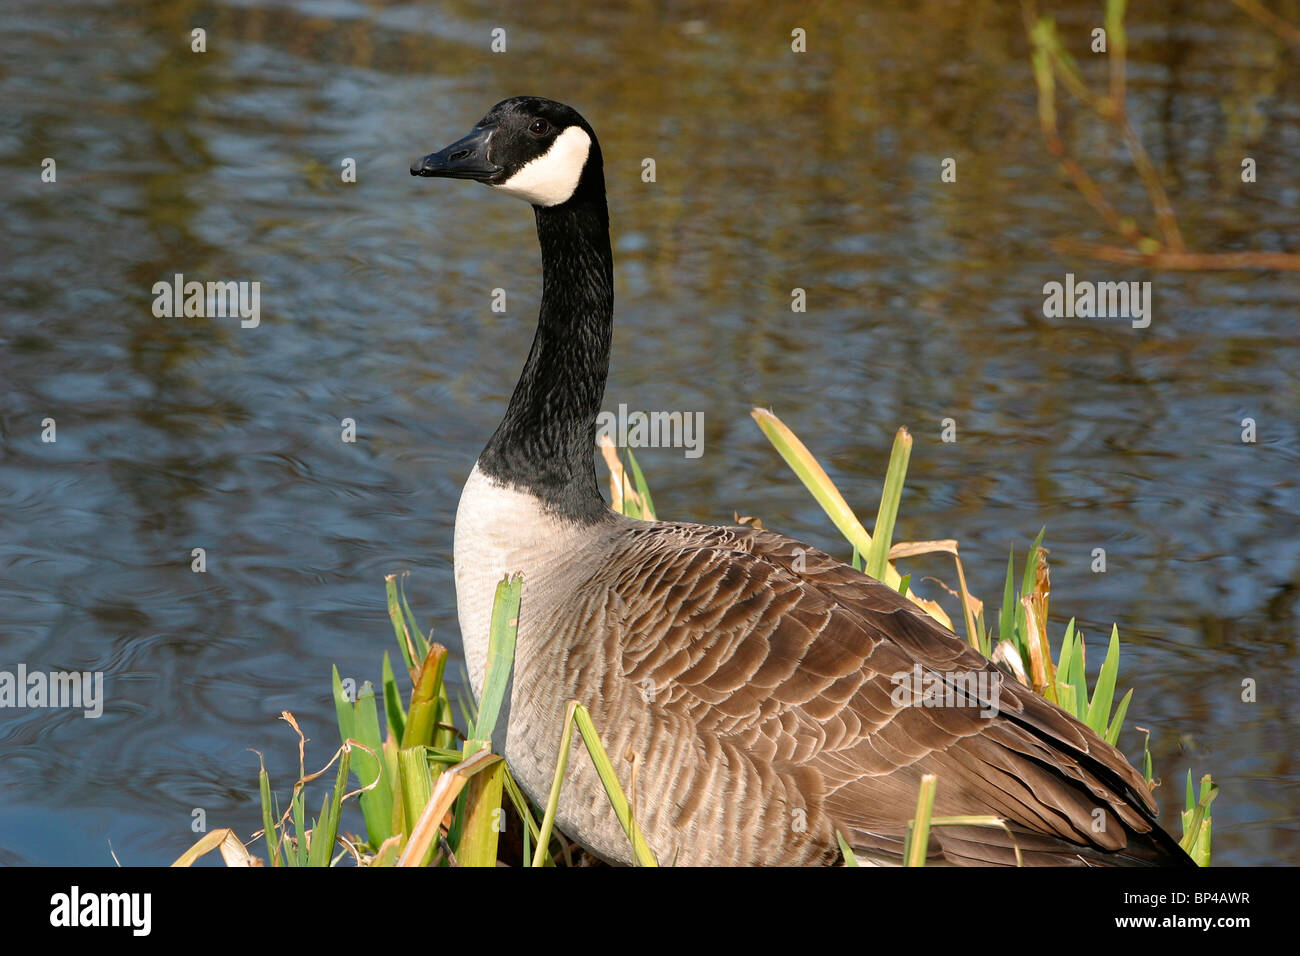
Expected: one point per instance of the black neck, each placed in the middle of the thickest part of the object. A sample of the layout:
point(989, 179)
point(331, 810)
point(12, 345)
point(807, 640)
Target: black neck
point(546, 443)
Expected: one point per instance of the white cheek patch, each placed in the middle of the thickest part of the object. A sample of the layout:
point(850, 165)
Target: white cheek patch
point(551, 178)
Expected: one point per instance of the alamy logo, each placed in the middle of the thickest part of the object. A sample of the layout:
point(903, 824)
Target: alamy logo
point(918, 688)
point(76, 689)
point(1098, 300)
point(208, 300)
point(76, 908)
point(637, 429)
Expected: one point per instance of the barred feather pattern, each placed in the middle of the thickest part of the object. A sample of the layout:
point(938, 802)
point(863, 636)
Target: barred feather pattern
point(751, 674)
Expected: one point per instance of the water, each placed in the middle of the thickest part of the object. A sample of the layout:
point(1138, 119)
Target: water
point(774, 171)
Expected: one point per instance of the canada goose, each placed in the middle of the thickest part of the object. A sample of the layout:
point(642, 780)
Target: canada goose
point(751, 674)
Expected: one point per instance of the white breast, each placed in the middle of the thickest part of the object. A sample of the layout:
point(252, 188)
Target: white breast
point(499, 531)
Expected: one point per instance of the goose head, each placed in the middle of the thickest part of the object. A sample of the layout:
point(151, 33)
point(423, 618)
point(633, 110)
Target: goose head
point(536, 149)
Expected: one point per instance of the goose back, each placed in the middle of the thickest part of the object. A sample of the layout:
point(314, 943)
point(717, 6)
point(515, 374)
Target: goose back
point(754, 678)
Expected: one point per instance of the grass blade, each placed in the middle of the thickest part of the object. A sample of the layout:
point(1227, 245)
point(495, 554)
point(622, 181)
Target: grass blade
point(1147, 772)
point(1079, 679)
point(1031, 564)
point(327, 824)
point(421, 642)
point(299, 829)
point(400, 820)
point(484, 818)
point(605, 769)
point(421, 720)
point(815, 479)
point(232, 851)
point(850, 858)
point(981, 820)
point(270, 832)
point(501, 656)
point(553, 801)
point(1066, 656)
point(343, 709)
point(1196, 832)
point(1103, 694)
point(642, 489)
point(392, 701)
point(416, 784)
point(877, 563)
point(448, 787)
point(1007, 614)
point(377, 802)
point(1112, 732)
point(918, 830)
point(404, 639)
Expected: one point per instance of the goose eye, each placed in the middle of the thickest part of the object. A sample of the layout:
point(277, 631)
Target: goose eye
point(539, 127)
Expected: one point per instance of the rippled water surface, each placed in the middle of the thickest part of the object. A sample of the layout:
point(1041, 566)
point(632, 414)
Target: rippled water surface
point(774, 170)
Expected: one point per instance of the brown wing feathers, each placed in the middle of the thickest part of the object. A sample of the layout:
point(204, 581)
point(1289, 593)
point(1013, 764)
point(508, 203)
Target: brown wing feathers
point(782, 657)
